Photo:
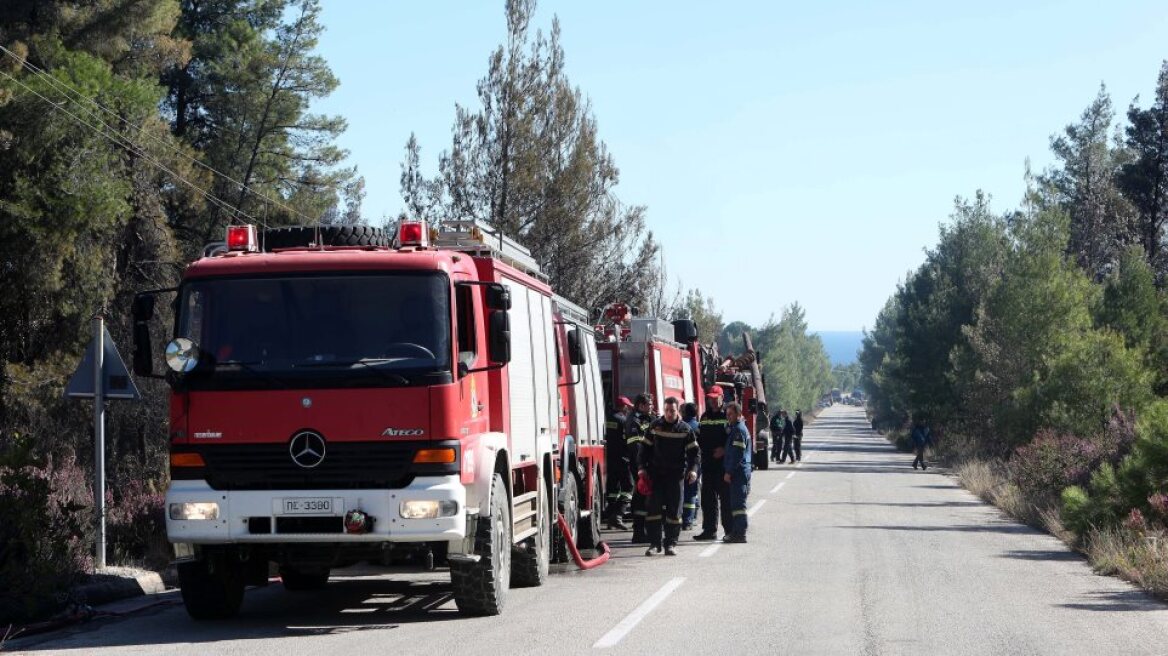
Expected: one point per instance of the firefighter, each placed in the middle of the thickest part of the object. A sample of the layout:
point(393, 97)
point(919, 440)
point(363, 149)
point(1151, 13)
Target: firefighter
point(788, 439)
point(635, 427)
point(737, 465)
point(689, 514)
point(712, 440)
point(777, 435)
point(620, 479)
point(670, 457)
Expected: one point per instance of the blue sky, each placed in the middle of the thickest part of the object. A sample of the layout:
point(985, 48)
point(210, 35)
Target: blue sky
point(786, 152)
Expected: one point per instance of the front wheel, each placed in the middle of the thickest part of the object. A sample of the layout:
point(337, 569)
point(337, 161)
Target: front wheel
point(480, 588)
point(212, 589)
point(570, 506)
point(589, 530)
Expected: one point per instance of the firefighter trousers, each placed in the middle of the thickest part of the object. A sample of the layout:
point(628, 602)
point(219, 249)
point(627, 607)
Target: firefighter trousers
point(664, 509)
point(739, 489)
point(715, 504)
point(788, 449)
point(620, 487)
point(638, 504)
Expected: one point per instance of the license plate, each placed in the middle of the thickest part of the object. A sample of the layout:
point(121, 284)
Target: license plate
point(310, 506)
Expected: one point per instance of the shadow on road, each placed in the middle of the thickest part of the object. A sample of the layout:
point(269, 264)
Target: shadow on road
point(344, 606)
point(1127, 600)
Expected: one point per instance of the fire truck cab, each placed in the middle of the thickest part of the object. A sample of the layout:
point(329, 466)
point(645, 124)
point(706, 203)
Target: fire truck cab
point(338, 403)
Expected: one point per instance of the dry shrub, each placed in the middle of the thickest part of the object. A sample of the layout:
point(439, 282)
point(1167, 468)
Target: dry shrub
point(1136, 556)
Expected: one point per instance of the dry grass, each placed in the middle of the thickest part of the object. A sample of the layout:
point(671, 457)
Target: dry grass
point(1136, 557)
point(989, 482)
point(1139, 558)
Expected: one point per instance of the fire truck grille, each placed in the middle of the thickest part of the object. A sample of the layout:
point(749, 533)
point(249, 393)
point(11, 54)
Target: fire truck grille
point(347, 465)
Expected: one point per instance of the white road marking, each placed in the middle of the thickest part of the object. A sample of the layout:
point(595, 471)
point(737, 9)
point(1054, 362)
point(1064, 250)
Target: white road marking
point(778, 487)
point(755, 507)
point(790, 474)
point(710, 550)
point(634, 618)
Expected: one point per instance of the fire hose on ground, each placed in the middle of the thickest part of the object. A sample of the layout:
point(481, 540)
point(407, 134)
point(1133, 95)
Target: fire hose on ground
point(601, 549)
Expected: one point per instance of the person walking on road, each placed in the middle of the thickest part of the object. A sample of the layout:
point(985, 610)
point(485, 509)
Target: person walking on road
point(712, 440)
point(737, 465)
point(620, 476)
point(921, 437)
point(670, 456)
point(635, 429)
point(798, 425)
point(788, 439)
point(689, 509)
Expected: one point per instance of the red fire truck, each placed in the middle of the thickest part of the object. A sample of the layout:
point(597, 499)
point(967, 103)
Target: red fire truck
point(337, 399)
point(649, 355)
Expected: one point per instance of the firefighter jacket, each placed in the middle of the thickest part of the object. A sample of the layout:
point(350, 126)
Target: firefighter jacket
point(635, 427)
point(788, 428)
point(798, 426)
point(737, 461)
point(670, 449)
point(713, 431)
point(614, 435)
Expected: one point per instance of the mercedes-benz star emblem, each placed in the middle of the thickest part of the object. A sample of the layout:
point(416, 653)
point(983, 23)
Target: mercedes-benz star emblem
point(307, 449)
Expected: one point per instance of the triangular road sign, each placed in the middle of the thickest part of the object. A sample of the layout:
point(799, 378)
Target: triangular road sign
point(119, 384)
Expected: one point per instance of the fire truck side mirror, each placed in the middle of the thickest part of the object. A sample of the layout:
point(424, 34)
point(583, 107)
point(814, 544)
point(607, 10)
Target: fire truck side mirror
point(499, 336)
point(142, 312)
point(685, 331)
point(576, 354)
point(498, 297)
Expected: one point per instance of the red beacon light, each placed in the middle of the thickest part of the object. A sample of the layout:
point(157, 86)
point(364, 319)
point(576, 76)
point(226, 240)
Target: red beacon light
point(413, 233)
point(242, 238)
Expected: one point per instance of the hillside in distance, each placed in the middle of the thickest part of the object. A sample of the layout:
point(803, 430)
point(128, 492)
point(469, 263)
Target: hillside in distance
point(841, 345)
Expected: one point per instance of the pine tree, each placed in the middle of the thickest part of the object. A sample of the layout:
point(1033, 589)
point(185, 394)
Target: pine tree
point(1144, 180)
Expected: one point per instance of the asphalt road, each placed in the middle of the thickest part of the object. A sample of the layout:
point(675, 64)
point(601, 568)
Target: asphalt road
point(852, 552)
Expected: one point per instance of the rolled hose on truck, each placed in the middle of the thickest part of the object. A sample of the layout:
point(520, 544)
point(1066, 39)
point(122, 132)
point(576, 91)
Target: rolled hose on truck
point(602, 547)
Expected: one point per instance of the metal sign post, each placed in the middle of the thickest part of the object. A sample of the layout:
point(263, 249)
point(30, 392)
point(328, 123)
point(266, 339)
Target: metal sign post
point(102, 375)
point(99, 434)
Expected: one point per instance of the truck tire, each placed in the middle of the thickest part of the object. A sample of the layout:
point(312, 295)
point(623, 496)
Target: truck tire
point(569, 505)
point(481, 588)
point(302, 580)
point(330, 235)
point(530, 564)
point(589, 531)
point(211, 589)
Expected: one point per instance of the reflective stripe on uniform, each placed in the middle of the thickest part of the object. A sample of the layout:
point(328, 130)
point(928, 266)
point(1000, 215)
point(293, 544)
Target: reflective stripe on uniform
point(671, 520)
point(653, 518)
point(633, 440)
point(691, 506)
point(661, 433)
point(713, 422)
point(738, 512)
point(739, 444)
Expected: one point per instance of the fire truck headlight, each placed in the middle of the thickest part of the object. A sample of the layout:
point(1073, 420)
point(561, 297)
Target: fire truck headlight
point(428, 509)
point(189, 511)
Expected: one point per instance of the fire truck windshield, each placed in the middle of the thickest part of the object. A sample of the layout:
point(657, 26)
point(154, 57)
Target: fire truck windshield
point(352, 330)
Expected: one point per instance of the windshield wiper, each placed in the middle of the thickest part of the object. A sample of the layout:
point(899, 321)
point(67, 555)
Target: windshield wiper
point(369, 363)
point(247, 366)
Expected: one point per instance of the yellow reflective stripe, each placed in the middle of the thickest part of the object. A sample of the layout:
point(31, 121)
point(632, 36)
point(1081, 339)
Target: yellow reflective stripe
point(653, 518)
point(670, 520)
point(738, 512)
point(691, 506)
point(660, 433)
point(740, 445)
point(713, 422)
point(633, 439)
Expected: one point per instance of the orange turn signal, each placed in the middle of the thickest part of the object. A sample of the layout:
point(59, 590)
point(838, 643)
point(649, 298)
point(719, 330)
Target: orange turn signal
point(187, 460)
point(434, 456)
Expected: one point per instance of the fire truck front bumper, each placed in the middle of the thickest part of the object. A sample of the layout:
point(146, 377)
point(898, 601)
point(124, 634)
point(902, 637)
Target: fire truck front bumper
point(431, 509)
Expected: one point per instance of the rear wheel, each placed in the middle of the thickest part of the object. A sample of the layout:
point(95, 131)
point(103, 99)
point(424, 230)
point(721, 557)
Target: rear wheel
point(299, 580)
point(589, 531)
point(531, 562)
point(212, 589)
point(480, 588)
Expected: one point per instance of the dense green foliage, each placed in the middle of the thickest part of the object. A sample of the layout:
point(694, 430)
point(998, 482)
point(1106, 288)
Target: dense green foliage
point(131, 133)
point(1032, 336)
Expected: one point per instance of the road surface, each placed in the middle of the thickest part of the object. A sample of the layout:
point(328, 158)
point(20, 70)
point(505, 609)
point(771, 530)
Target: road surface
point(852, 552)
